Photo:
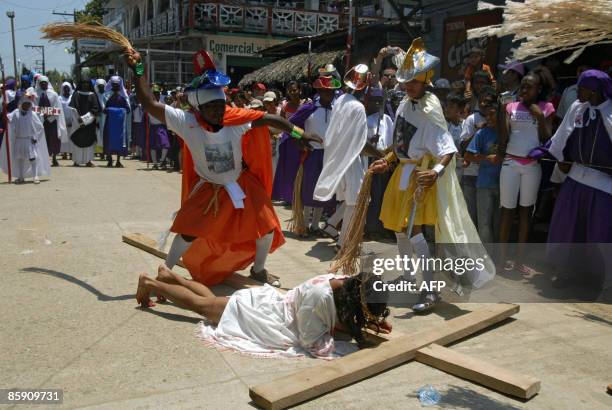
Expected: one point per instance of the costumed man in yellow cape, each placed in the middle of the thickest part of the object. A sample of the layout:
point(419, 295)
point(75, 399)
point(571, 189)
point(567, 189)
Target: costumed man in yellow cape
point(420, 192)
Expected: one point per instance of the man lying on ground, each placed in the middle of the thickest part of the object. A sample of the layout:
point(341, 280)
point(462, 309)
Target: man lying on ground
point(261, 321)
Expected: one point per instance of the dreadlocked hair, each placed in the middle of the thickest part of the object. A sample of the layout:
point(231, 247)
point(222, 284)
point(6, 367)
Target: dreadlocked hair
point(350, 309)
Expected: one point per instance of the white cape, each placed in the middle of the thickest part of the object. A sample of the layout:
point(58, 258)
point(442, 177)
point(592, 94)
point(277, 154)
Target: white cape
point(573, 118)
point(455, 227)
point(43, 164)
point(345, 138)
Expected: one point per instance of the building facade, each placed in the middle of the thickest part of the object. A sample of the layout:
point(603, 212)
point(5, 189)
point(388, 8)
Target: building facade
point(168, 32)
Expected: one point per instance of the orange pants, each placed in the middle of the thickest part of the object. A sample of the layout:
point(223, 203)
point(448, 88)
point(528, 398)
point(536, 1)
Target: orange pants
point(225, 239)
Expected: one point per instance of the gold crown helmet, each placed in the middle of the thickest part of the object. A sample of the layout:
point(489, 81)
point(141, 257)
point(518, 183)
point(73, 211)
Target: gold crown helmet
point(418, 64)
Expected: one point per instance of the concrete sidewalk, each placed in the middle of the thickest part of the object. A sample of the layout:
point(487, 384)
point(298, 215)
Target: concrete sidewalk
point(70, 320)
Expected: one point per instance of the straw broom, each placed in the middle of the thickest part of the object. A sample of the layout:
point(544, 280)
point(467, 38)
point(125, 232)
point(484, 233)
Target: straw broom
point(347, 258)
point(546, 27)
point(297, 224)
point(58, 32)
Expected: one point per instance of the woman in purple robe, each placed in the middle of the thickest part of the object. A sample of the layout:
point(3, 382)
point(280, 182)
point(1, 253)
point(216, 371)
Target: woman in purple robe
point(115, 141)
point(583, 147)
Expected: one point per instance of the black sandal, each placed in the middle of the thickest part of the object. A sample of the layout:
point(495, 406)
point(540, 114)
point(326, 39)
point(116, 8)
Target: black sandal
point(329, 235)
point(265, 277)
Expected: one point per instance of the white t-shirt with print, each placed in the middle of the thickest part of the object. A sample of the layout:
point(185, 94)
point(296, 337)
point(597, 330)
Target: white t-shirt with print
point(217, 155)
point(524, 127)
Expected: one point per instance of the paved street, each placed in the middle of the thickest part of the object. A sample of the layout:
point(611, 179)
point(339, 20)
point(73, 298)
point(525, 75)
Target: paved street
point(70, 320)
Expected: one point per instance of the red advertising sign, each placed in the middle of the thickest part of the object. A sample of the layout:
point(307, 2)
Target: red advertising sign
point(457, 47)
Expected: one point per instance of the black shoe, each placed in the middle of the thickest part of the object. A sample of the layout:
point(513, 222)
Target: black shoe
point(75, 164)
point(55, 163)
point(118, 165)
point(109, 164)
point(265, 277)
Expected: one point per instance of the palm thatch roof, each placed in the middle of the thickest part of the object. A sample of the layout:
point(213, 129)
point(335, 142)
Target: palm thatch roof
point(292, 68)
point(546, 27)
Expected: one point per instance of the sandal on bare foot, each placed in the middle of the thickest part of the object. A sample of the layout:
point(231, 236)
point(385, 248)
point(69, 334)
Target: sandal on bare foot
point(265, 277)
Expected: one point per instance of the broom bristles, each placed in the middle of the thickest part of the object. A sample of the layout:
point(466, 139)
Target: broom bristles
point(70, 31)
point(348, 257)
point(297, 224)
point(546, 27)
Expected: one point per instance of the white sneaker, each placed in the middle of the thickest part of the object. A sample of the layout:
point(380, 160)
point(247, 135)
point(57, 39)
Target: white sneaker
point(36, 181)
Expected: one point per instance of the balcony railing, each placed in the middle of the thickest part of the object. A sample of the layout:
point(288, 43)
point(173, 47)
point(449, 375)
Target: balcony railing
point(163, 23)
point(233, 16)
point(207, 15)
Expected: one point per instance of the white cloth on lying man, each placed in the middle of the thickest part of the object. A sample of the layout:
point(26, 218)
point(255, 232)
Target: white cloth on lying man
point(263, 322)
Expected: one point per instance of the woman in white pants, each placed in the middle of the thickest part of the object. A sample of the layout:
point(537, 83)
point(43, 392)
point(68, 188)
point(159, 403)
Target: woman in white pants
point(528, 123)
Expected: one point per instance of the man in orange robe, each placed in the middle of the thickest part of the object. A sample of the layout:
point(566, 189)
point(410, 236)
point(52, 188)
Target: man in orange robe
point(226, 220)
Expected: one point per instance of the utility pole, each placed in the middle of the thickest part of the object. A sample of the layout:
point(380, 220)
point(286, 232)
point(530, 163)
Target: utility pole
point(42, 49)
point(77, 57)
point(11, 15)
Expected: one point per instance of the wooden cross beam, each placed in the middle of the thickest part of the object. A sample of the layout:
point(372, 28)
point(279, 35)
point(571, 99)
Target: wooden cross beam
point(327, 377)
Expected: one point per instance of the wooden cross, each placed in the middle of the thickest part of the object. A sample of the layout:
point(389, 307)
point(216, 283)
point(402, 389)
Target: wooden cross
point(425, 346)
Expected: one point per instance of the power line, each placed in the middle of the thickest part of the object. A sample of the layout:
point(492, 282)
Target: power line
point(36, 8)
point(23, 28)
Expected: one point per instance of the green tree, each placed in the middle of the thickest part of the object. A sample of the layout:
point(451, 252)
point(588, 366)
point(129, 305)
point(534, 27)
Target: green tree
point(92, 13)
point(56, 78)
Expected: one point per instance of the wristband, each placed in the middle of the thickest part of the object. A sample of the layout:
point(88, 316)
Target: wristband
point(139, 69)
point(390, 157)
point(297, 132)
point(438, 168)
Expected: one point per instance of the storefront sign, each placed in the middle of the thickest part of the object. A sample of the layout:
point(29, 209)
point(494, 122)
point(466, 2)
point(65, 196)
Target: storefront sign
point(238, 45)
point(457, 46)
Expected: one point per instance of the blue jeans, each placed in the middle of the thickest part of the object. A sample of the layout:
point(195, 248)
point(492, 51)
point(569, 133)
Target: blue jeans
point(488, 213)
point(468, 186)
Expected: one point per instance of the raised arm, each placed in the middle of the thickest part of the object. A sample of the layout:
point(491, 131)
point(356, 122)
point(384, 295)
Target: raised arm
point(276, 121)
point(143, 93)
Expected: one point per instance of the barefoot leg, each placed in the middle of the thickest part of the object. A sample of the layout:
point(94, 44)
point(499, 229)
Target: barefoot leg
point(209, 306)
point(143, 293)
point(167, 276)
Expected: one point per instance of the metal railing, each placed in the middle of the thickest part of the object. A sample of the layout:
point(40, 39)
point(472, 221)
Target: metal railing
point(210, 15)
point(164, 23)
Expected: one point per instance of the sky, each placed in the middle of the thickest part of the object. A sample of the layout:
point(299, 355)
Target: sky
point(29, 17)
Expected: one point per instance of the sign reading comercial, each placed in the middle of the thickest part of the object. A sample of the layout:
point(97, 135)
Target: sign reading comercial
point(238, 45)
point(457, 46)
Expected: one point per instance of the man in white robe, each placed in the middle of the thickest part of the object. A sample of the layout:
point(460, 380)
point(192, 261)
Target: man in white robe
point(343, 166)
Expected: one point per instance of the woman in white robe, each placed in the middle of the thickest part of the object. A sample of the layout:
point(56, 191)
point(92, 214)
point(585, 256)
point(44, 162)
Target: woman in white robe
point(28, 147)
point(64, 97)
point(261, 321)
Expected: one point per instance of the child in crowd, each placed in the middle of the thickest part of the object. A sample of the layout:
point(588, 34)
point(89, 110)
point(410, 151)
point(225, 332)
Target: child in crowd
point(475, 62)
point(453, 112)
point(472, 123)
point(29, 156)
point(528, 123)
point(484, 150)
